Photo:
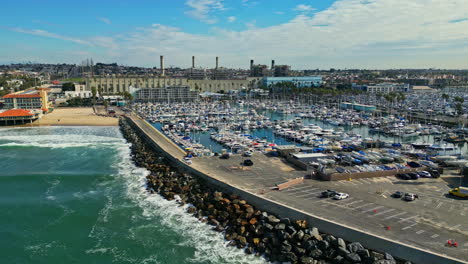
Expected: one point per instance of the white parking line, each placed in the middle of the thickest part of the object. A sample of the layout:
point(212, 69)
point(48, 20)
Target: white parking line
point(420, 232)
point(395, 215)
point(407, 219)
point(383, 212)
point(434, 236)
point(363, 205)
point(439, 205)
point(366, 181)
point(378, 207)
point(410, 226)
point(358, 201)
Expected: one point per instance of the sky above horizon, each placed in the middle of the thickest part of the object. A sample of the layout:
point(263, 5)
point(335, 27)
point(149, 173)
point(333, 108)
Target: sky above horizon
point(306, 34)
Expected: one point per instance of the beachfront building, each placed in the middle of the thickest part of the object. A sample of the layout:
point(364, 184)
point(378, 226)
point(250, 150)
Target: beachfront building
point(17, 117)
point(117, 84)
point(164, 94)
point(28, 99)
point(300, 82)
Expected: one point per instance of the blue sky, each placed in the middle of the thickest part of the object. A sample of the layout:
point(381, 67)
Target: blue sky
point(301, 33)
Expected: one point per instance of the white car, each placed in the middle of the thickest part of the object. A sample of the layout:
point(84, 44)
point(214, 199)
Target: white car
point(341, 196)
point(188, 160)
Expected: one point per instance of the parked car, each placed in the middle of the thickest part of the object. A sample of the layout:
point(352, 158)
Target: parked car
point(410, 197)
point(188, 160)
point(434, 173)
point(413, 164)
point(398, 194)
point(460, 192)
point(248, 162)
point(403, 176)
point(413, 176)
point(424, 174)
point(225, 156)
point(340, 196)
point(328, 193)
point(247, 154)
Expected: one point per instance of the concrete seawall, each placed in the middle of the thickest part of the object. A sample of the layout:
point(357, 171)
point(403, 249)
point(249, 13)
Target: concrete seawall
point(174, 154)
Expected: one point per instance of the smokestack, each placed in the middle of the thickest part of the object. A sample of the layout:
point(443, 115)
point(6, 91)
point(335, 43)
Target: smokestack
point(162, 64)
point(193, 61)
point(251, 64)
point(272, 64)
point(217, 60)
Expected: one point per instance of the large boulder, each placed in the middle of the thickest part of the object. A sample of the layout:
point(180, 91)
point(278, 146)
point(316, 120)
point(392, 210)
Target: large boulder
point(355, 247)
point(306, 260)
point(273, 220)
point(315, 234)
point(316, 253)
point(353, 257)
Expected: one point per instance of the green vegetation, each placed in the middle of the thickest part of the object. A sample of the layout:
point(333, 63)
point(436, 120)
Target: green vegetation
point(77, 80)
point(69, 86)
point(78, 102)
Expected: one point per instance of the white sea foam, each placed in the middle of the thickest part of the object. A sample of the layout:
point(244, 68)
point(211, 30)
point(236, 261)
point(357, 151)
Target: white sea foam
point(210, 246)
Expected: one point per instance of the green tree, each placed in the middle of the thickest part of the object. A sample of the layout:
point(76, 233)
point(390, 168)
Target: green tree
point(69, 86)
point(94, 92)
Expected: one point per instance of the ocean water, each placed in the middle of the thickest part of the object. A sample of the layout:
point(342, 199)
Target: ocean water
point(72, 195)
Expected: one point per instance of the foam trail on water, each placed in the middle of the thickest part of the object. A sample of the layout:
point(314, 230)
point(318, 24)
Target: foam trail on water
point(210, 246)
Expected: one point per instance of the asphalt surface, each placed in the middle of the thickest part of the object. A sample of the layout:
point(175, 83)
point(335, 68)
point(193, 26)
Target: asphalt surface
point(427, 222)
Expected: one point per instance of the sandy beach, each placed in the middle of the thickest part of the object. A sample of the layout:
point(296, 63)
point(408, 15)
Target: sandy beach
point(75, 117)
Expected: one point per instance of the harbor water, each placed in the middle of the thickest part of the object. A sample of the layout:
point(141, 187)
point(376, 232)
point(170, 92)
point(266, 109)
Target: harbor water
point(72, 195)
point(203, 137)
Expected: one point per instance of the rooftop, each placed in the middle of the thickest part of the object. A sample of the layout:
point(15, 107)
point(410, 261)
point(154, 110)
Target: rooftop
point(16, 112)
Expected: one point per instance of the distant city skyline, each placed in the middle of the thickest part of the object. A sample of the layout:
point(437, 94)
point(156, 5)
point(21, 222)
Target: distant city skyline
point(306, 34)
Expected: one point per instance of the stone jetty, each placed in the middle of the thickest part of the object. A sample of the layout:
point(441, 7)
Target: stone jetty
point(256, 232)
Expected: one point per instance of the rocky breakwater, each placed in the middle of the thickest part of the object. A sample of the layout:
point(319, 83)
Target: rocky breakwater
point(254, 231)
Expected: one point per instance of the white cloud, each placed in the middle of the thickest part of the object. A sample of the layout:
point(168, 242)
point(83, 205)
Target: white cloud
point(105, 20)
point(231, 19)
point(304, 8)
point(203, 9)
point(43, 33)
point(279, 12)
point(351, 33)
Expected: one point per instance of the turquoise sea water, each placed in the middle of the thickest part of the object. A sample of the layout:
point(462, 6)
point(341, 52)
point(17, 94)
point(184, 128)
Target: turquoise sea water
point(72, 195)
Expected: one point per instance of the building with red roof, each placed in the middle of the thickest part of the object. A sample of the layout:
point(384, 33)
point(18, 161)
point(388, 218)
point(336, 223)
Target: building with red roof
point(28, 99)
point(17, 116)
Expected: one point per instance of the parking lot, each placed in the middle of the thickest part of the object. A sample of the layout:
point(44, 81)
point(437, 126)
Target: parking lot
point(428, 222)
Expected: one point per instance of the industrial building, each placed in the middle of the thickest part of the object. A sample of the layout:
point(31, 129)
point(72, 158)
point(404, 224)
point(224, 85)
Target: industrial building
point(166, 94)
point(198, 80)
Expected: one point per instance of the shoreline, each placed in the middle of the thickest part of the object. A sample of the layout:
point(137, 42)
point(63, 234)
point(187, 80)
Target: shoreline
point(76, 116)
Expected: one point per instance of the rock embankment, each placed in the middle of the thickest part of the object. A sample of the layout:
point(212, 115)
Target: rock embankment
point(254, 231)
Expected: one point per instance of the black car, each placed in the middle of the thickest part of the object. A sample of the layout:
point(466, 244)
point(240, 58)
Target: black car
point(413, 164)
point(434, 173)
point(248, 162)
point(328, 193)
point(225, 156)
point(413, 176)
point(403, 176)
point(398, 194)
